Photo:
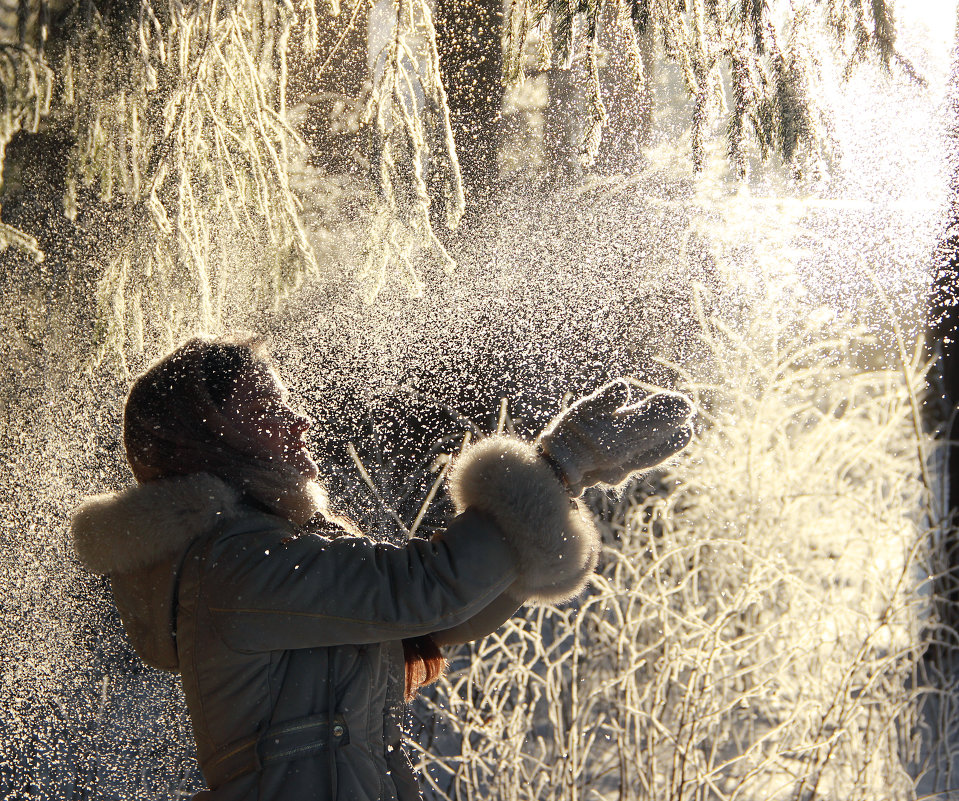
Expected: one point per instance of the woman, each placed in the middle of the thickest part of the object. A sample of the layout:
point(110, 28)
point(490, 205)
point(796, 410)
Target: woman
point(294, 637)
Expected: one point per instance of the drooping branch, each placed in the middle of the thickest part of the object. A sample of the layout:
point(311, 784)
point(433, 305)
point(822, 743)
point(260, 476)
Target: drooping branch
point(417, 156)
point(177, 115)
point(744, 49)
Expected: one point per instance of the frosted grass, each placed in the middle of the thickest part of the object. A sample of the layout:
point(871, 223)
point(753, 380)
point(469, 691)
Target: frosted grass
point(756, 626)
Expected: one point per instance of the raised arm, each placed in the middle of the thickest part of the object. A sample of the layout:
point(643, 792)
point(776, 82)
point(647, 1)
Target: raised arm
point(518, 536)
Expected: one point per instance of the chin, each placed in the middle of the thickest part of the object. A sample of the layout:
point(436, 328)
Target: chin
point(307, 468)
point(301, 461)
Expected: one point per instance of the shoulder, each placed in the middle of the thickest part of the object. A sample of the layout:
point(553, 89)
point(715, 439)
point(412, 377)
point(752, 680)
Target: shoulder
point(250, 534)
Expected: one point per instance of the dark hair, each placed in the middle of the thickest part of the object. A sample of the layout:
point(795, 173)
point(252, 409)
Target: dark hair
point(223, 362)
point(172, 420)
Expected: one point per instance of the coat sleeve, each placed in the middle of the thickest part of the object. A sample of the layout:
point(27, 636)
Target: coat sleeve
point(484, 622)
point(264, 595)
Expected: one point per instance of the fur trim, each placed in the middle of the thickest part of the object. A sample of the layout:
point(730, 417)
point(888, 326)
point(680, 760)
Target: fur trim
point(142, 524)
point(555, 542)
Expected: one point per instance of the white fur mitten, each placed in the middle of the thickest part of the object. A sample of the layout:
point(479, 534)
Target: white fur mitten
point(618, 430)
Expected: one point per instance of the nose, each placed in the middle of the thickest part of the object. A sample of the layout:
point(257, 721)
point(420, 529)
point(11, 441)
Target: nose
point(301, 423)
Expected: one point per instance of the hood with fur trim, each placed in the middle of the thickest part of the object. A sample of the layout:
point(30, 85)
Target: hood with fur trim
point(138, 537)
point(123, 531)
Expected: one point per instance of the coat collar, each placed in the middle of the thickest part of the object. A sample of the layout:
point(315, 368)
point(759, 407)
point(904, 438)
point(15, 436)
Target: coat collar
point(143, 524)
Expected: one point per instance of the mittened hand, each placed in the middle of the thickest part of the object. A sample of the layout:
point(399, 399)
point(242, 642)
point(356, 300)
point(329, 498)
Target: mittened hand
point(618, 430)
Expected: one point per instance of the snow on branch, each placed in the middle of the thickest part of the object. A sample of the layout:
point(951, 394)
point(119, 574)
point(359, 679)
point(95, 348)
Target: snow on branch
point(755, 53)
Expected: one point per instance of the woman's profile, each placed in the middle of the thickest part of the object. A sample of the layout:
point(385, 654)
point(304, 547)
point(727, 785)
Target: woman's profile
point(297, 639)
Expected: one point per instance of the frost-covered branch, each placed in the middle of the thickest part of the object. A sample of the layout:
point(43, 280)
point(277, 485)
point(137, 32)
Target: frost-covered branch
point(755, 52)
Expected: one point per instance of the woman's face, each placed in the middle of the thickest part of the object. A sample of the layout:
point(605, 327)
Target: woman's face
point(260, 410)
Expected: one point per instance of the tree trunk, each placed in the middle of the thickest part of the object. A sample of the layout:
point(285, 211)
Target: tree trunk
point(943, 344)
point(563, 131)
point(471, 64)
point(628, 105)
point(327, 91)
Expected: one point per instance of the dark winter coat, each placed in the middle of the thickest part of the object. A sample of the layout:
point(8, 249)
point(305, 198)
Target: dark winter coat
point(289, 647)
